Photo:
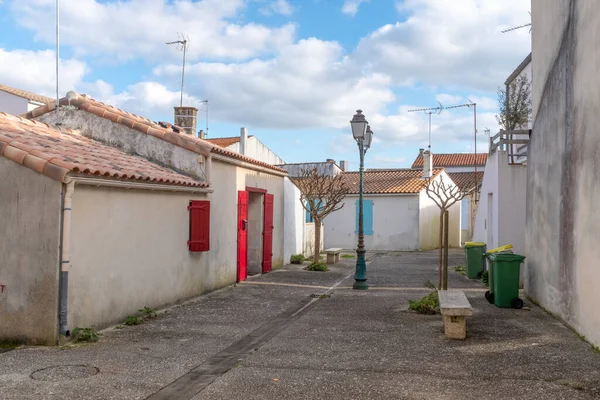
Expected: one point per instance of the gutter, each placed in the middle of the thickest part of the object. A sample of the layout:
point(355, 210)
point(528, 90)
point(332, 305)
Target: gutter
point(247, 165)
point(65, 262)
point(80, 180)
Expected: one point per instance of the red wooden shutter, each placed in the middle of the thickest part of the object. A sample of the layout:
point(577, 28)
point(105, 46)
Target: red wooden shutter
point(268, 235)
point(199, 225)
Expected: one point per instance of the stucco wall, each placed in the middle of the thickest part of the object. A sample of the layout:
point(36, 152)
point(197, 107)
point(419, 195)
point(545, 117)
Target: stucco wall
point(309, 239)
point(130, 141)
point(563, 192)
point(293, 224)
point(395, 224)
point(29, 249)
point(11, 104)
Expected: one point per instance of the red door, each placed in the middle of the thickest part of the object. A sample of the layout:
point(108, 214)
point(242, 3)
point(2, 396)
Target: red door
point(242, 263)
point(268, 235)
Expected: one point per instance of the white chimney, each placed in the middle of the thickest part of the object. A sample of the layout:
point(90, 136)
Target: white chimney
point(243, 140)
point(427, 163)
point(344, 165)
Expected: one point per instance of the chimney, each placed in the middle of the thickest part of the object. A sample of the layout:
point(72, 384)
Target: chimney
point(185, 117)
point(243, 140)
point(329, 160)
point(202, 134)
point(427, 163)
point(344, 165)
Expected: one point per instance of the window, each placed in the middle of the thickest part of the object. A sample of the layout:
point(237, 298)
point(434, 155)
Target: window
point(367, 217)
point(309, 217)
point(199, 225)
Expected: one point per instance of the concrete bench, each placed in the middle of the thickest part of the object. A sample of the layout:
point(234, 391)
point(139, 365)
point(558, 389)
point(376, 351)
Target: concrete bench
point(454, 307)
point(333, 255)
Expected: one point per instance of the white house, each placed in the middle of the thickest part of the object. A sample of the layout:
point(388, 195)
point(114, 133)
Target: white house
point(16, 101)
point(145, 213)
point(461, 167)
point(398, 214)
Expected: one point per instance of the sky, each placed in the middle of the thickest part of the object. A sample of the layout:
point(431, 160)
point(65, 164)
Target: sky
point(292, 72)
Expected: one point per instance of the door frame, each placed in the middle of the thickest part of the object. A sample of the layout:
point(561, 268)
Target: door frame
point(264, 192)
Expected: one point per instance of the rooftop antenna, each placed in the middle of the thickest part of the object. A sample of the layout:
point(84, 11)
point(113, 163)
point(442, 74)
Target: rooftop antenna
point(206, 105)
point(519, 27)
point(182, 44)
point(429, 111)
point(57, 59)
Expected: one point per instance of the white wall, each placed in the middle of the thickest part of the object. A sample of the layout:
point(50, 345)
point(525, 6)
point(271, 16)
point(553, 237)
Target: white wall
point(293, 221)
point(257, 150)
point(508, 186)
point(463, 169)
point(429, 223)
point(11, 104)
point(30, 218)
point(309, 239)
point(395, 224)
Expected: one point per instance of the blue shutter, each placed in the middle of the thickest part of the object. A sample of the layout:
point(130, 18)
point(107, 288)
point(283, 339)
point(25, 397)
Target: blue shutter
point(308, 216)
point(367, 215)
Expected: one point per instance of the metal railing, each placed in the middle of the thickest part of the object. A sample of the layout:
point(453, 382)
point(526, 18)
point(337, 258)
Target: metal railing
point(514, 142)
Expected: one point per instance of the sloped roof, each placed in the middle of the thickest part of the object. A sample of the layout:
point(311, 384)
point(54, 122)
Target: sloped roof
point(388, 181)
point(26, 95)
point(162, 130)
point(224, 141)
point(465, 180)
point(518, 70)
point(452, 160)
point(56, 153)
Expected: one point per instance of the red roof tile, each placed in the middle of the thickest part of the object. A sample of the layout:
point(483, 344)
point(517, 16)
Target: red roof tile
point(392, 181)
point(26, 95)
point(465, 180)
point(56, 153)
point(452, 160)
point(225, 141)
point(165, 131)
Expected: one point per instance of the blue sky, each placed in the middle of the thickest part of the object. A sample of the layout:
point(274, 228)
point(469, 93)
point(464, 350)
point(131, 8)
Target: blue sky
point(292, 72)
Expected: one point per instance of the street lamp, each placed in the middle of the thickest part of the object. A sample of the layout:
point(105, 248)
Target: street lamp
point(362, 133)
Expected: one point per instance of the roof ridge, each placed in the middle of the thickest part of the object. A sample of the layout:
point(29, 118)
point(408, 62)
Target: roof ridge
point(25, 94)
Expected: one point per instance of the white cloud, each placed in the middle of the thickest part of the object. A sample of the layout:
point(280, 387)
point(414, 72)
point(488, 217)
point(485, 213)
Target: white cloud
point(450, 44)
point(350, 7)
point(448, 99)
point(124, 30)
point(35, 71)
point(282, 7)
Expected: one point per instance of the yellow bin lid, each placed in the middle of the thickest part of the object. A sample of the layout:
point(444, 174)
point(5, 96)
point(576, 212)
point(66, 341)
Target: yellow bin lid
point(501, 248)
point(474, 244)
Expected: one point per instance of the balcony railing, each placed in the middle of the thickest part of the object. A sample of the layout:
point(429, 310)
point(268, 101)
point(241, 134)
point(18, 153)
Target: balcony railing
point(515, 143)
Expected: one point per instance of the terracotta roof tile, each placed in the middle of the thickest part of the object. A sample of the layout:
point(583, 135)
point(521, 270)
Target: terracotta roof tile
point(225, 141)
point(392, 181)
point(452, 160)
point(56, 153)
point(465, 180)
point(26, 95)
point(165, 131)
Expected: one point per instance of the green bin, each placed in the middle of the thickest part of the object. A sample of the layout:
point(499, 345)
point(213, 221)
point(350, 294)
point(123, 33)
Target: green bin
point(504, 286)
point(474, 259)
point(489, 295)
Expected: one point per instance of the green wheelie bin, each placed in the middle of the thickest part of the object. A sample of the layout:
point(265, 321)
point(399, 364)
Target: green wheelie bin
point(489, 295)
point(474, 259)
point(504, 286)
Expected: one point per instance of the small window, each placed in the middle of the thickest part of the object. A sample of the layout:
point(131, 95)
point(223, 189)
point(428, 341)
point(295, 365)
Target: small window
point(199, 225)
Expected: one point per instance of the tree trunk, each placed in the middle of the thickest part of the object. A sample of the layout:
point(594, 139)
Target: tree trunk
point(446, 224)
point(317, 255)
point(439, 285)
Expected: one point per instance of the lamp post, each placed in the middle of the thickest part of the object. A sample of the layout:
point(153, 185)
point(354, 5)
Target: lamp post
point(361, 131)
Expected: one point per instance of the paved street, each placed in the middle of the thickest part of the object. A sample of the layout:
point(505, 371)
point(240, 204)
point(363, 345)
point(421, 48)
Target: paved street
point(267, 338)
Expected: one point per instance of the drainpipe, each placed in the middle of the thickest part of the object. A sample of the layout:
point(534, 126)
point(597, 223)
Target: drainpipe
point(65, 262)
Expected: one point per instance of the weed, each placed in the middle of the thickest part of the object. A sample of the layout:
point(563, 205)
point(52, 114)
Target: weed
point(297, 258)
point(119, 327)
point(429, 304)
point(347, 255)
point(148, 312)
point(460, 269)
point(485, 278)
point(85, 335)
point(134, 320)
point(317, 267)
point(429, 284)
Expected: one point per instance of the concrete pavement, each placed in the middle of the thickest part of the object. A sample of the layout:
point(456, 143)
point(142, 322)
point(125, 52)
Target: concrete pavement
point(268, 338)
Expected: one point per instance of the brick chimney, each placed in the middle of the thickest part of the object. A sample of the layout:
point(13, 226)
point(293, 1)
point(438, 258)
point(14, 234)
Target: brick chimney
point(185, 117)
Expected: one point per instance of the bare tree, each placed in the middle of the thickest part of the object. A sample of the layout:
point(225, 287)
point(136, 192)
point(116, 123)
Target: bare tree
point(320, 195)
point(444, 195)
point(515, 104)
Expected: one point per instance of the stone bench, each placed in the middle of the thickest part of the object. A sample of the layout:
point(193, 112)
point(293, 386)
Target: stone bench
point(454, 307)
point(333, 255)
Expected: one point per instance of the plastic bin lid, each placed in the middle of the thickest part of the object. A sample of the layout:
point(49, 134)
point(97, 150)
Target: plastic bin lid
point(474, 244)
point(506, 256)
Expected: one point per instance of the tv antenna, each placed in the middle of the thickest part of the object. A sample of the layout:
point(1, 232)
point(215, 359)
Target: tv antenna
point(206, 105)
point(519, 27)
point(182, 45)
point(429, 111)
